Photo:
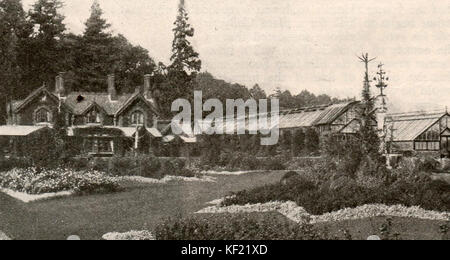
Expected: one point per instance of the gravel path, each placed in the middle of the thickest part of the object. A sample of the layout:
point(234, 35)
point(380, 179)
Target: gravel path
point(3, 236)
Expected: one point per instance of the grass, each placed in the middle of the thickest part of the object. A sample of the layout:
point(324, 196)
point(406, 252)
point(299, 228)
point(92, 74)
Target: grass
point(138, 207)
point(143, 206)
point(407, 228)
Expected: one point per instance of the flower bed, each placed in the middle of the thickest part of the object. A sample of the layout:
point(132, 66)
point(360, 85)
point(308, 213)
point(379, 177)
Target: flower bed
point(242, 226)
point(166, 179)
point(298, 214)
point(343, 192)
point(132, 235)
point(34, 181)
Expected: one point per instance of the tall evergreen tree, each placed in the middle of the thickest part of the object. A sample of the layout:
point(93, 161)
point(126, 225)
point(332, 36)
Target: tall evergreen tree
point(184, 57)
point(44, 55)
point(257, 92)
point(96, 46)
point(14, 32)
point(184, 67)
point(368, 135)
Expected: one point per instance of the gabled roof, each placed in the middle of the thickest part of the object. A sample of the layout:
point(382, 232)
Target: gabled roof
point(308, 117)
point(409, 126)
point(446, 132)
point(332, 112)
point(80, 102)
point(133, 98)
point(101, 99)
point(20, 104)
point(300, 119)
point(93, 104)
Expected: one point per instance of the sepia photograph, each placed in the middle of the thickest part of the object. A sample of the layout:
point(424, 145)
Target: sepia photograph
point(240, 121)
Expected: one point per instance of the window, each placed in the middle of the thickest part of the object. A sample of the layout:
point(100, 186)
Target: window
point(42, 116)
point(98, 146)
point(137, 118)
point(427, 146)
point(105, 146)
point(93, 117)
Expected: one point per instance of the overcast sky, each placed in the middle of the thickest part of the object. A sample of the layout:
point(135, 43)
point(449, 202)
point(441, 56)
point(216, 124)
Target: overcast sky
point(299, 45)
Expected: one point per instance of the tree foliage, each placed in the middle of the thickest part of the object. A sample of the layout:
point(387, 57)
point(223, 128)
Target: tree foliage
point(44, 50)
point(184, 57)
point(35, 46)
point(368, 135)
point(185, 65)
point(14, 31)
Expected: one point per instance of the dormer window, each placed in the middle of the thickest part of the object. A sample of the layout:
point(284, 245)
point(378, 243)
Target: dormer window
point(42, 116)
point(93, 117)
point(137, 118)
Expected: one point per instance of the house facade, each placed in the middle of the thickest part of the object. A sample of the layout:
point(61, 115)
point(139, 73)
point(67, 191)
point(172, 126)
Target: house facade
point(98, 124)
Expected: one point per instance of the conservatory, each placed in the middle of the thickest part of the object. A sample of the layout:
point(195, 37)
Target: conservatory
point(426, 132)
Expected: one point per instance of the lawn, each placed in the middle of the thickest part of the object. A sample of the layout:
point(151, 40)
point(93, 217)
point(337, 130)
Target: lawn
point(139, 207)
point(407, 228)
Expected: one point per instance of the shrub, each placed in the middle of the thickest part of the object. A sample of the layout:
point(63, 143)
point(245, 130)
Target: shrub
point(242, 161)
point(299, 142)
point(7, 164)
point(76, 163)
point(173, 166)
point(123, 166)
point(99, 164)
point(289, 177)
point(236, 227)
point(429, 164)
point(45, 147)
point(224, 159)
point(312, 140)
point(343, 192)
point(274, 163)
point(150, 167)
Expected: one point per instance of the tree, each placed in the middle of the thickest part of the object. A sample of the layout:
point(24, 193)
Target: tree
point(370, 142)
point(219, 89)
point(97, 50)
point(44, 52)
point(257, 92)
point(185, 64)
point(184, 57)
point(14, 32)
point(130, 63)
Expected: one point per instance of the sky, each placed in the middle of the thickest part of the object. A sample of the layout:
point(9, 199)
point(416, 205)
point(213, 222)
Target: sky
point(299, 45)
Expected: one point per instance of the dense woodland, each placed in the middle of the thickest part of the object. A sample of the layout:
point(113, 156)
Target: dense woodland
point(35, 45)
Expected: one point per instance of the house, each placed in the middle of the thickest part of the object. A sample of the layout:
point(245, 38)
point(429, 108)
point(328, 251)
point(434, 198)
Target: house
point(98, 124)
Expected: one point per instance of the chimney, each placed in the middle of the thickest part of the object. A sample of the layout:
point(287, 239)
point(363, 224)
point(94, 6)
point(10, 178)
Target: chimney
point(59, 85)
point(147, 86)
point(112, 88)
